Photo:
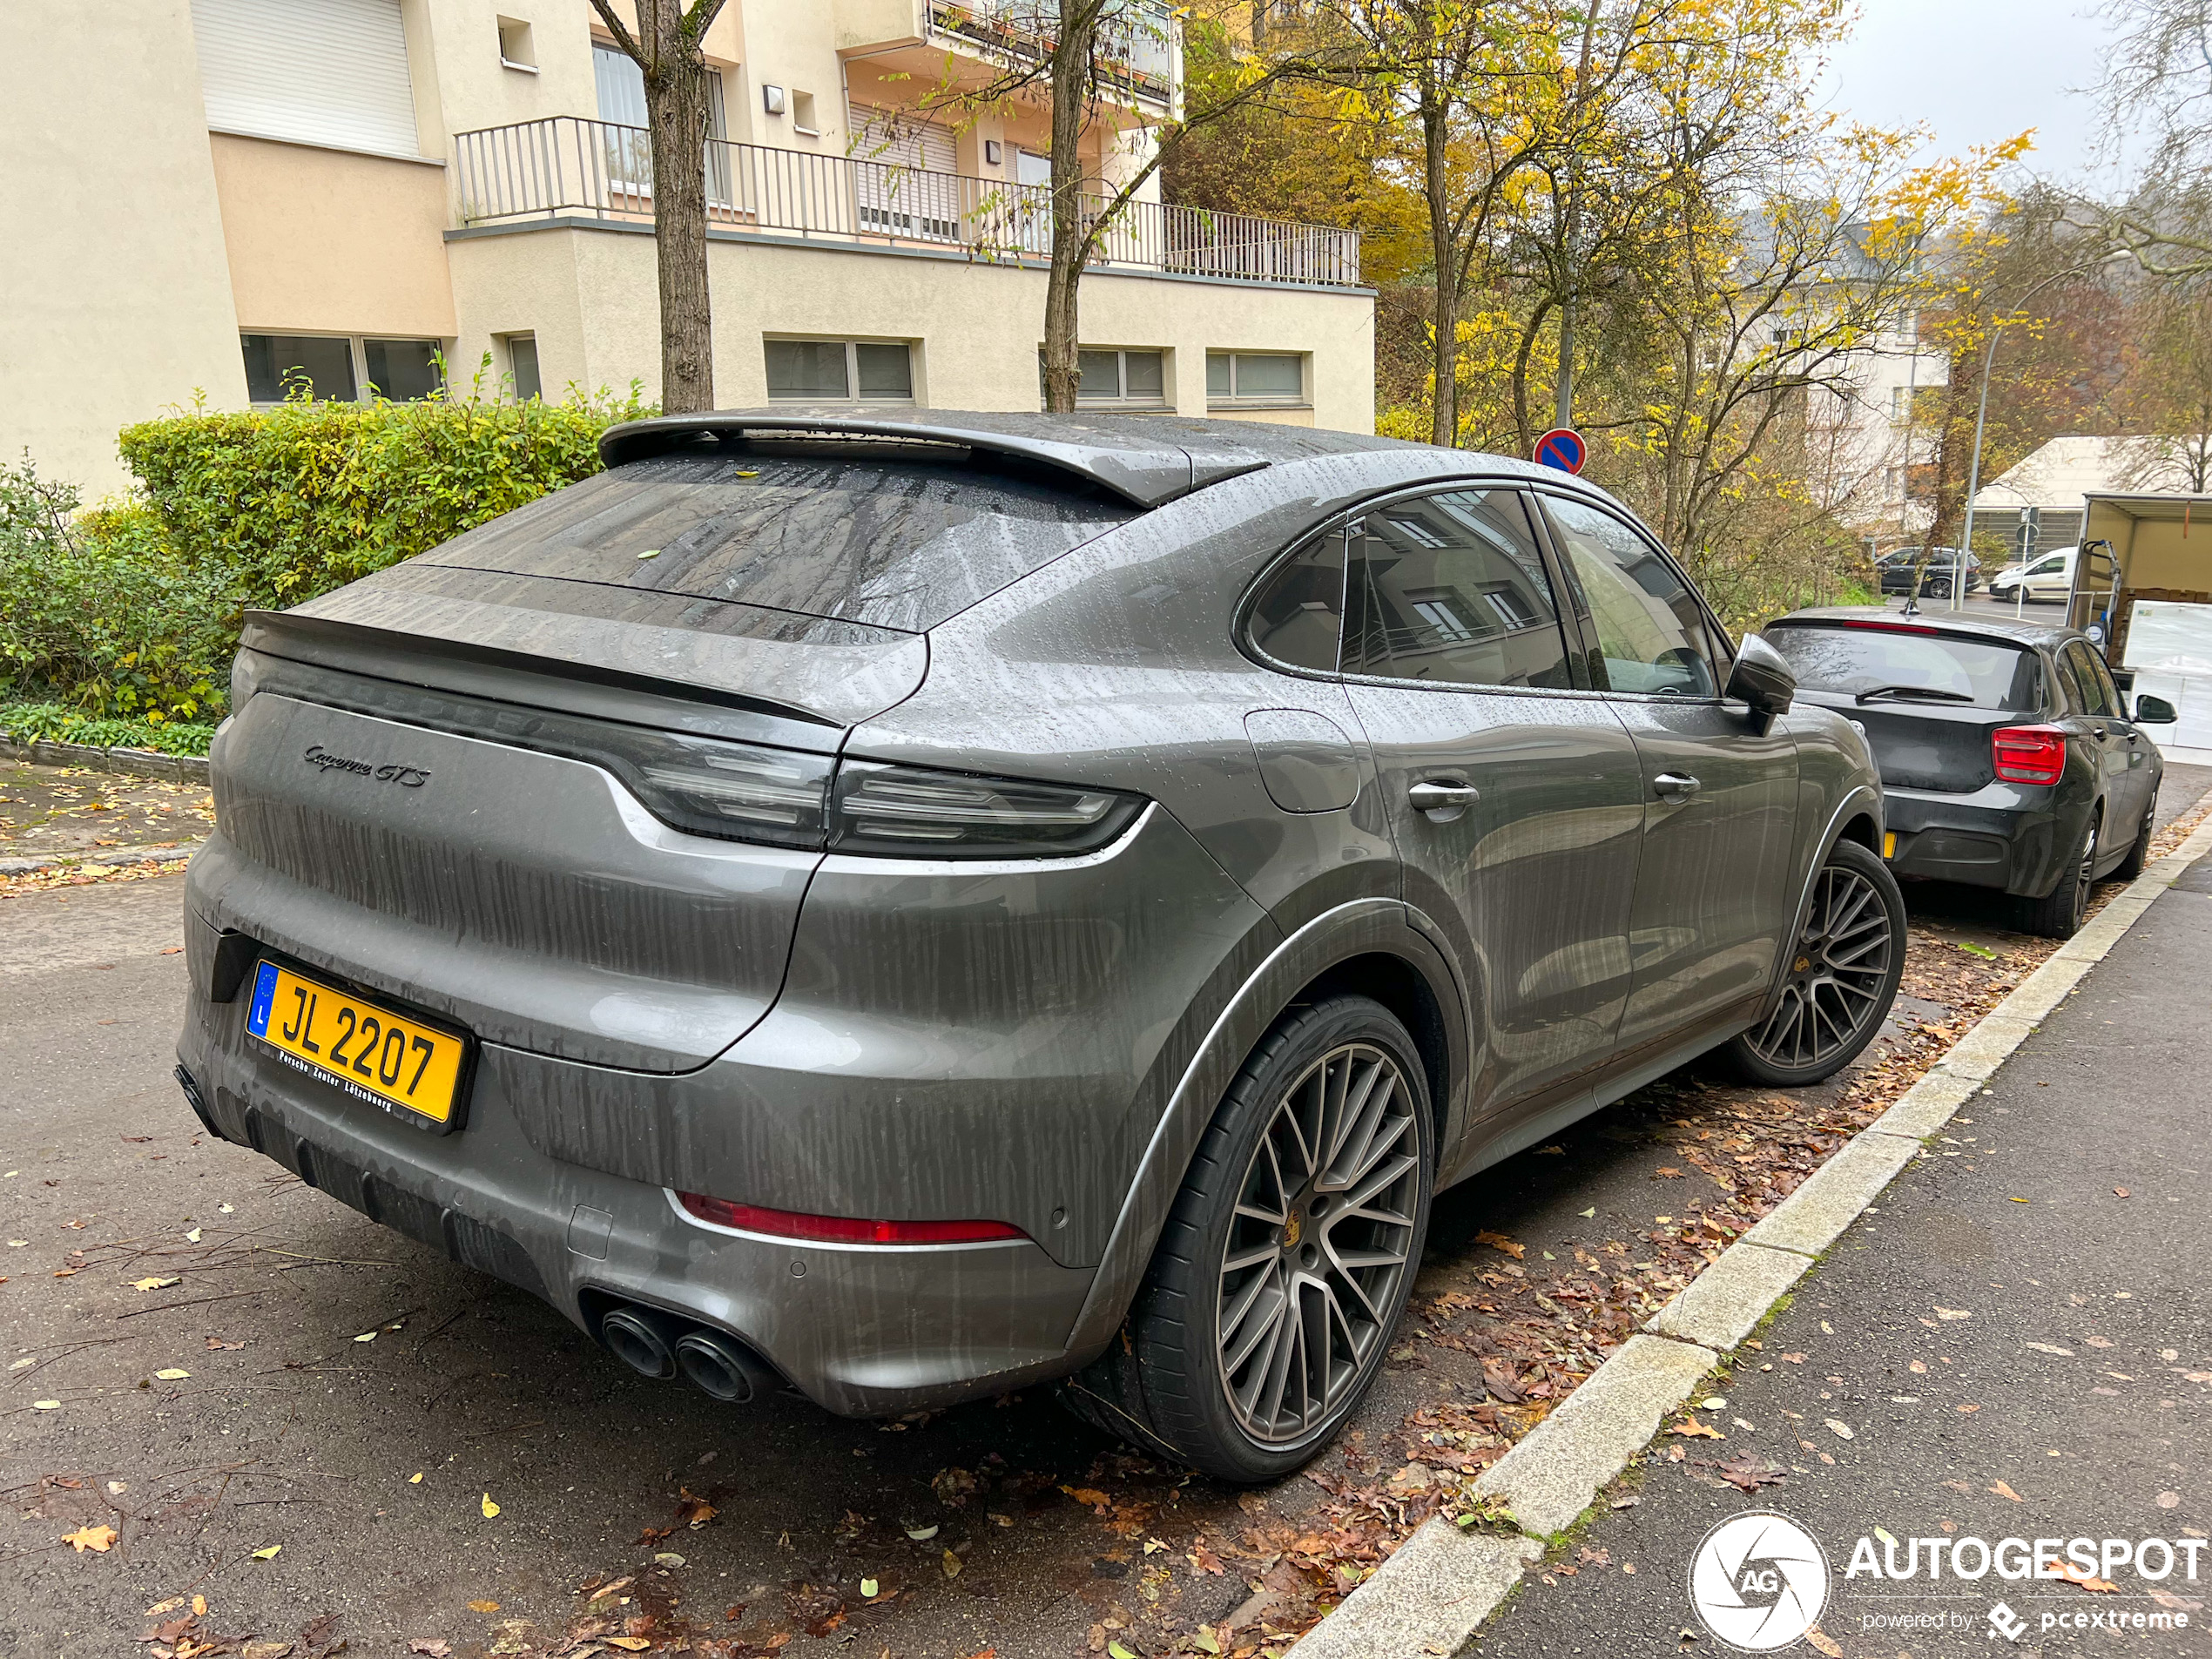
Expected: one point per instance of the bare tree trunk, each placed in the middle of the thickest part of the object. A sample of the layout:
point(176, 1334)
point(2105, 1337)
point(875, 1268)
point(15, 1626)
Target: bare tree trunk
point(667, 50)
point(1444, 347)
point(1071, 93)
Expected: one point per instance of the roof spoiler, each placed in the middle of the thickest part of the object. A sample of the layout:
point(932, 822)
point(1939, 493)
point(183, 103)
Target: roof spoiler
point(1146, 467)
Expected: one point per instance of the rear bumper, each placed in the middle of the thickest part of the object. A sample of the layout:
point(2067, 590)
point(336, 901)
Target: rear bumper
point(2011, 837)
point(861, 1330)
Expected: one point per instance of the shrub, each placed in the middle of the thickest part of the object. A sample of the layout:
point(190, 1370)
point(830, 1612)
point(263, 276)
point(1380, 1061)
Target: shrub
point(99, 613)
point(29, 722)
point(303, 498)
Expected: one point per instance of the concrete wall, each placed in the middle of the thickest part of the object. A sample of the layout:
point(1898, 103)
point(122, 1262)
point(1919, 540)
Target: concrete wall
point(327, 241)
point(588, 295)
point(117, 292)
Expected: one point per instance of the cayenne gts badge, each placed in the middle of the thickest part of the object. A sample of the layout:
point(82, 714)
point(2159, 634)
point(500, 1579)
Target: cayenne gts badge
point(407, 777)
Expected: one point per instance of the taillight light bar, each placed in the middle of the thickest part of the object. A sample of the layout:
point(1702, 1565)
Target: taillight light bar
point(842, 1229)
point(2028, 754)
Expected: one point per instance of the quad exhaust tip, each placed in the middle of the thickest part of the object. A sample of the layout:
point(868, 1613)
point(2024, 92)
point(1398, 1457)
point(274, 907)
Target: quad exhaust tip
point(659, 1345)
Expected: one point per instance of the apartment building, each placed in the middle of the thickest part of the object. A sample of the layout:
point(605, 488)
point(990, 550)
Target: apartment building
point(382, 197)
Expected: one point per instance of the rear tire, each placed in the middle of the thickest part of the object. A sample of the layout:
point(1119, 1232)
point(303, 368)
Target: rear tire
point(1939, 589)
point(2138, 855)
point(1285, 1267)
point(1845, 961)
point(2059, 912)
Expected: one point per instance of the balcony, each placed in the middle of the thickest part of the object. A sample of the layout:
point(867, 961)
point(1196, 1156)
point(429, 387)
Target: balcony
point(1136, 38)
point(565, 167)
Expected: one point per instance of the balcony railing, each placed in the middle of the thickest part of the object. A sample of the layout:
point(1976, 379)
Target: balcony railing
point(1136, 36)
point(565, 165)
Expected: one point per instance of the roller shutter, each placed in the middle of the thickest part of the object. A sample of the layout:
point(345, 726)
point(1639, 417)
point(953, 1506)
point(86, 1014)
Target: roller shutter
point(312, 71)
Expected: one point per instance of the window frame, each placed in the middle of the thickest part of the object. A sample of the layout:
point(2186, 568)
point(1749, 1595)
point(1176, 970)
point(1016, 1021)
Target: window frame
point(1236, 400)
point(1718, 638)
point(851, 343)
point(1121, 399)
point(357, 358)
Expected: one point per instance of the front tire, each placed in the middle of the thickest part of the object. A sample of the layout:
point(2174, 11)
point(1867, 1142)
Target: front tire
point(2139, 854)
point(1845, 962)
point(1285, 1267)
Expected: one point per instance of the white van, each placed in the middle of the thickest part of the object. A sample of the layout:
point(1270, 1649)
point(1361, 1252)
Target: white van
point(2047, 577)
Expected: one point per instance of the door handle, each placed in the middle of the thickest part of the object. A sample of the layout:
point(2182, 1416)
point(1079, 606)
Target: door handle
point(2131, 736)
point(2098, 730)
point(1442, 799)
point(1675, 785)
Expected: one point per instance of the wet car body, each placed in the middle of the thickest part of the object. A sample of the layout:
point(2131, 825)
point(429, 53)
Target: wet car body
point(869, 1031)
point(1954, 815)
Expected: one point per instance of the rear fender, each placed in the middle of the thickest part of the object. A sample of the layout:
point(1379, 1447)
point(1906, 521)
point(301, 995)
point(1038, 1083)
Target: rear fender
point(1359, 927)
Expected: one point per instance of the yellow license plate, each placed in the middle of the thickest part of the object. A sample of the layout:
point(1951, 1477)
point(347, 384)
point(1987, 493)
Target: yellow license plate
point(1889, 845)
point(374, 1055)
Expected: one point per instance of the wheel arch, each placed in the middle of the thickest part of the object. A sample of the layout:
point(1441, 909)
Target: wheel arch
point(1366, 945)
point(1857, 817)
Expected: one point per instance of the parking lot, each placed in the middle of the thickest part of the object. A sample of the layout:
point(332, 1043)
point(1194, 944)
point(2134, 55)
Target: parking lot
point(300, 1418)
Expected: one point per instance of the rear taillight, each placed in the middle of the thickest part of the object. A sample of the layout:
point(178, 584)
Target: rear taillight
point(904, 809)
point(2028, 754)
point(842, 1229)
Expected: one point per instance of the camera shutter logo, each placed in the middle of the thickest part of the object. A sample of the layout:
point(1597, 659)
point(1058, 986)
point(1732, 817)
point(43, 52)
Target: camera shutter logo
point(1759, 1582)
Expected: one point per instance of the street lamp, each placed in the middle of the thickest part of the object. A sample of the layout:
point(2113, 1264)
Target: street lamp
point(1981, 417)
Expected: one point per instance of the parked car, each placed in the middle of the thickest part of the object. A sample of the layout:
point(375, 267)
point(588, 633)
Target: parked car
point(921, 904)
point(1946, 568)
point(2009, 758)
point(2046, 579)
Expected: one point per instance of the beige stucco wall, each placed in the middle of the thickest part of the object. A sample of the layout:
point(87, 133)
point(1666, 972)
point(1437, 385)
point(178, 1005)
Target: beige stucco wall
point(327, 241)
point(116, 294)
point(587, 294)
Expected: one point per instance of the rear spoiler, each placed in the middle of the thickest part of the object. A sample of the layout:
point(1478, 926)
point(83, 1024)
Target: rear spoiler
point(1147, 463)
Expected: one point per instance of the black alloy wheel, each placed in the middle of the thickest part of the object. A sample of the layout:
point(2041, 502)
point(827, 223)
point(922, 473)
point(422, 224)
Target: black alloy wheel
point(1841, 977)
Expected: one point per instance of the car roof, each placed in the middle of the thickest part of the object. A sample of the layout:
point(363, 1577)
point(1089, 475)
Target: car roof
point(2024, 630)
point(1146, 459)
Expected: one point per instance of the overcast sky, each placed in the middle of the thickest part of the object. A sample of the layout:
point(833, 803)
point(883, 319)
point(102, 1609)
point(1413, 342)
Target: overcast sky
point(1979, 71)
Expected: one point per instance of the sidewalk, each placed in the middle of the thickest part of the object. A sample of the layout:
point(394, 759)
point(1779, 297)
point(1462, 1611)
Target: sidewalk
point(2013, 1342)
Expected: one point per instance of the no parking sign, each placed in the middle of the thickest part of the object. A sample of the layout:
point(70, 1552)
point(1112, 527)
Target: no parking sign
point(1562, 447)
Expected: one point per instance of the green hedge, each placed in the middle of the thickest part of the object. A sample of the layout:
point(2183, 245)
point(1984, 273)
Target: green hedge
point(304, 497)
point(132, 610)
point(29, 722)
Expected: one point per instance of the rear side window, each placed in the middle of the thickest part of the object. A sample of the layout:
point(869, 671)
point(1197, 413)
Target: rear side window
point(1450, 589)
point(901, 535)
point(1299, 616)
point(1886, 664)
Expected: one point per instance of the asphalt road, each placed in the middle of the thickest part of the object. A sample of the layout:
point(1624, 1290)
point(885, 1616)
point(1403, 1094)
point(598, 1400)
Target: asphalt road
point(2016, 1339)
point(353, 1399)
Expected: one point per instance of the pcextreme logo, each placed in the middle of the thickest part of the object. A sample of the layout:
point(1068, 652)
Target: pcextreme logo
point(1759, 1581)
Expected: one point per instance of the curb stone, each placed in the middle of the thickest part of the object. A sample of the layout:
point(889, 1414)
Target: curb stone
point(1451, 1583)
point(133, 763)
point(165, 851)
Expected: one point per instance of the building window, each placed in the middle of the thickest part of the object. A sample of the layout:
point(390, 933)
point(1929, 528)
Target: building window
point(341, 368)
point(331, 72)
point(1264, 378)
point(521, 367)
point(1116, 378)
point(815, 371)
point(516, 49)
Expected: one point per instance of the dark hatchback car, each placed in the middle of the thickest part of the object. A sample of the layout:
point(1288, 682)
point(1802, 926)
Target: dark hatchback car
point(1947, 570)
point(2009, 758)
point(917, 906)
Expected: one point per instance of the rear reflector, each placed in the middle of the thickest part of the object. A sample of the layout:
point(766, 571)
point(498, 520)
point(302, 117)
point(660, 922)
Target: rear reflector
point(842, 1229)
point(2028, 754)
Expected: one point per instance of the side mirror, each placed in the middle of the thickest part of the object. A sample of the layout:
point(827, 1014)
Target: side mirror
point(2155, 710)
point(1762, 678)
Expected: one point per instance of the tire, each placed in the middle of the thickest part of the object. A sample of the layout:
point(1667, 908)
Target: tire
point(1846, 963)
point(2059, 912)
point(2138, 854)
point(1212, 1367)
point(1939, 589)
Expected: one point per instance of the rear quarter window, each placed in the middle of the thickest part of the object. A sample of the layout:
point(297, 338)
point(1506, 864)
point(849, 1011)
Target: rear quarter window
point(898, 536)
point(1853, 662)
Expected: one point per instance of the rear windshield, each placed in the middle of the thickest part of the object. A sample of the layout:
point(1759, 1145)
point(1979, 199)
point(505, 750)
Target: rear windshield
point(1984, 674)
point(899, 536)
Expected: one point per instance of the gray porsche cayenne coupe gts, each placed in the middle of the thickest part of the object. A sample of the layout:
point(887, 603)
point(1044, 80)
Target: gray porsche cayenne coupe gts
point(914, 905)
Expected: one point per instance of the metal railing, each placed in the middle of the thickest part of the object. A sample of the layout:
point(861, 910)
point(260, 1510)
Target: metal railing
point(1136, 36)
point(566, 165)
